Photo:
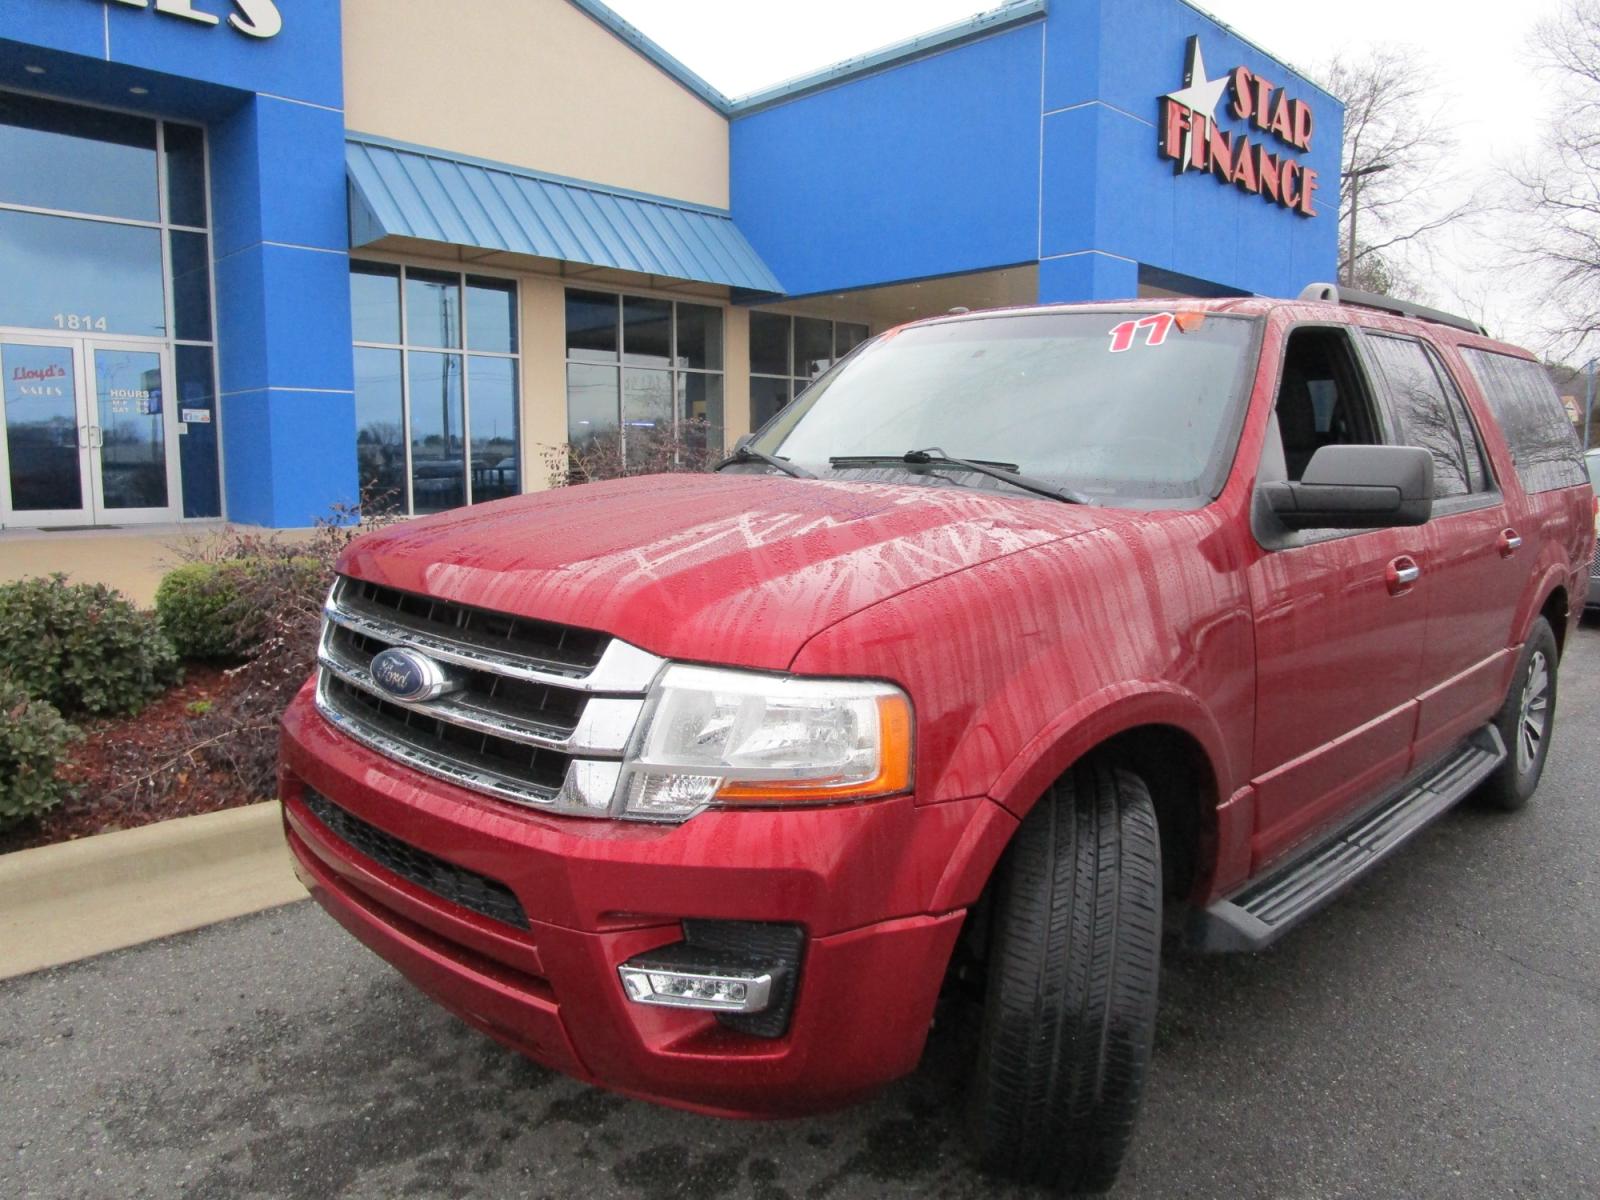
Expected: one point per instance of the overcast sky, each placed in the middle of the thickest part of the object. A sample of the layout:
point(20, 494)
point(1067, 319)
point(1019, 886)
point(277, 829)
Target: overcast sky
point(1476, 47)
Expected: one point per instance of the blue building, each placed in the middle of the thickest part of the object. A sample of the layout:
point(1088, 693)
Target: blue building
point(261, 258)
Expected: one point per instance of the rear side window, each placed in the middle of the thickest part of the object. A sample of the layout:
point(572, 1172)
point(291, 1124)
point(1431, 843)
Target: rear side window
point(1430, 413)
point(1524, 401)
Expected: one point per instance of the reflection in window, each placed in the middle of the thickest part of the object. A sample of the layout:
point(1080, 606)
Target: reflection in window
point(433, 309)
point(76, 159)
point(435, 429)
point(191, 286)
point(193, 381)
point(673, 377)
point(38, 388)
point(1543, 443)
point(493, 421)
point(375, 302)
point(81, 276)
point(438, 464)
point(380, 430)
point(185, 147)
point(1424, 410)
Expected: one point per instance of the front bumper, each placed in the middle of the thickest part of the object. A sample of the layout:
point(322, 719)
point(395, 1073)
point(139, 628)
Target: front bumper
point(860, 881)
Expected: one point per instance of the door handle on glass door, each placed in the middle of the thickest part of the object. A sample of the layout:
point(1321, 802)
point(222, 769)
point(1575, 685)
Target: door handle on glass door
point(1510, 542)
point(97, 438)
point(1401, 573)
point(85, 442)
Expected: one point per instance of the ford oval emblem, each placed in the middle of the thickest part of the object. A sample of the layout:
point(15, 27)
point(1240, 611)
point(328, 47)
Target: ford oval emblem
point(410, 676)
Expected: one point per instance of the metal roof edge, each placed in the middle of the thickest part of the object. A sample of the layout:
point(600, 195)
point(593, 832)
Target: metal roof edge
point(489, 164)
point(651, 50)
point(946, 37)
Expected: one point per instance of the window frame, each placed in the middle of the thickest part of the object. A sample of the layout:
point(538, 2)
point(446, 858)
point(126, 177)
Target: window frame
point(464, 351)
point(621, 365)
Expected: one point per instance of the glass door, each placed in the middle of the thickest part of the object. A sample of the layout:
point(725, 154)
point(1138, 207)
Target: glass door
point(132, 443)
point(44, 434)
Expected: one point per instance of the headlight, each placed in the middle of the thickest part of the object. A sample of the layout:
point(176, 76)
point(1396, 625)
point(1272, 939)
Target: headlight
point(733, 737)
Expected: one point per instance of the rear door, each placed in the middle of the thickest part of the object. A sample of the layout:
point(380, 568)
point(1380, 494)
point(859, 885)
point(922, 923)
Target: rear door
point(1477, 559)
point(1339, 622)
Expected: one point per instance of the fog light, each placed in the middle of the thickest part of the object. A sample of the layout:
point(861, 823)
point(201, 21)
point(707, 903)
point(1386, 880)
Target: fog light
point(686, 976)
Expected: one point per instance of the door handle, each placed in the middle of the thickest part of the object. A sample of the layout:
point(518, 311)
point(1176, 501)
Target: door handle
point(1401, 573)
point(97, 438)
point(83, 437)
point(1510, 542)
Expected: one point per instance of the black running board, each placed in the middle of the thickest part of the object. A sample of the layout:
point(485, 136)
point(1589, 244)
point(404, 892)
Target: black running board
point(1257, 916)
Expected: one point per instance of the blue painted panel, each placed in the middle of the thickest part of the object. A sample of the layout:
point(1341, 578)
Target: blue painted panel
point(926, 169)
point(290, 455)
point(283, 319)
point(77, 28)
point(301, 152)
point(1191, 224)
point(303, 61)
point(1089, 276)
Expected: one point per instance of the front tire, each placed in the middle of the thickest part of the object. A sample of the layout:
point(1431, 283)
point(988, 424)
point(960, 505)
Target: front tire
point(1074, 962)
point(1526, 722)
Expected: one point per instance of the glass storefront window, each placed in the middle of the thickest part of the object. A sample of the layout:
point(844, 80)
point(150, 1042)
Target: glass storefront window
point(375, 302)
point(194, 382)
point(493, 421)
point(592, 334)
point(120, 251)
point(433, 309)
point(491, 315)
point(380, 429)
point(438, 462)
point(72, 275)
point(185, 148)
point(435, 428)
point(674, 372)
point(775, 378)
point(38, 390)
point(646, 332)
point(75, 159)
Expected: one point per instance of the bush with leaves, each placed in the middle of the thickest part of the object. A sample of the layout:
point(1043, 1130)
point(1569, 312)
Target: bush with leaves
point(32, 739)
point(203, 606)
point(82, 646)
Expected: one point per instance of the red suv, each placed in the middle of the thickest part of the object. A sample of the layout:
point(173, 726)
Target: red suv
point(1016, 635)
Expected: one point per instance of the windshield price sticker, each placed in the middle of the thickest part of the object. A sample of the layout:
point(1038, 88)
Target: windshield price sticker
point(1156, 325)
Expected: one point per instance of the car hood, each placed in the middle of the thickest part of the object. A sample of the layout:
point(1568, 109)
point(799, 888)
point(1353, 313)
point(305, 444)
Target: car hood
point(731, 568)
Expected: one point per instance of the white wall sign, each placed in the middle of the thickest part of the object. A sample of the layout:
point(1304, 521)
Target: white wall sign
point(257, 18)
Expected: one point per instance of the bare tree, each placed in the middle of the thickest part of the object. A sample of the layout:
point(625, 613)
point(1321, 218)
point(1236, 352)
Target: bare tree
point(1558, 189)
point(1395, 168)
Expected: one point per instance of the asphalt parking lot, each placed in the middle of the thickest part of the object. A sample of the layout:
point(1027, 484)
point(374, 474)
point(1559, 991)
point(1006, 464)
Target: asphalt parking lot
point(1435, 1034)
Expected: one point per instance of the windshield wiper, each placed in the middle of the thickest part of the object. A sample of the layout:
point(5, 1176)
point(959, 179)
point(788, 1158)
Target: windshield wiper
point(1005, 472)
point(747, 454)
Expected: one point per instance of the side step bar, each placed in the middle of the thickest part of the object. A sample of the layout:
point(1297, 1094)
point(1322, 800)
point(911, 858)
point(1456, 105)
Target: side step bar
point(1254, 918)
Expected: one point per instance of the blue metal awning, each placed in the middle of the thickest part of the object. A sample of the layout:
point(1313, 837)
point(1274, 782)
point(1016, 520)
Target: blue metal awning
point(415, 192)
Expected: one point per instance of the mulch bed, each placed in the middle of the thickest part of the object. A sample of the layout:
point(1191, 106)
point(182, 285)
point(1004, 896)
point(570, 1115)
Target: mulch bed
point(115, 753)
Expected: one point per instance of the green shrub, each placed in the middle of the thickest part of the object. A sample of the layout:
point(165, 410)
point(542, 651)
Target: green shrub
point(83, 647)
point(32, 739)
point(212, 610)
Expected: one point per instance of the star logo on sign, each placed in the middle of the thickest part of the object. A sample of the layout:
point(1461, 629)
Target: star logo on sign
point(1198, 94)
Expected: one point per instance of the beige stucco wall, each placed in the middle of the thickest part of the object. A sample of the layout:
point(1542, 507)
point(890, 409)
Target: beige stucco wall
point(534, 83)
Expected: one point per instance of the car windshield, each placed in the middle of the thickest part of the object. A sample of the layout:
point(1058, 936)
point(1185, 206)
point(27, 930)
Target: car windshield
point(1135, 409)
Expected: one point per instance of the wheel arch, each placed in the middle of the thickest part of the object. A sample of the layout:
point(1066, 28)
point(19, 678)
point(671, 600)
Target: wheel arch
point(1162, 733)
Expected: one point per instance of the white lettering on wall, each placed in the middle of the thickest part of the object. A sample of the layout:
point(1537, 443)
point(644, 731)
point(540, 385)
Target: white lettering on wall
point(257, 18)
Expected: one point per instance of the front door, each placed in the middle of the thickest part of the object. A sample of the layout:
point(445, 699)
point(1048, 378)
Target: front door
point(86, 437)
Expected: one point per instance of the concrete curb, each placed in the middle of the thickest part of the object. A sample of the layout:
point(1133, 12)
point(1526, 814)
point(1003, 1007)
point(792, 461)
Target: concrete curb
point(76, 899)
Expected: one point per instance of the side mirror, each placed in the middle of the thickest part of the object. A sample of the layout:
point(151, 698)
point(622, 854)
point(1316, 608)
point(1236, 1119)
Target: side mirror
point(1357, 487)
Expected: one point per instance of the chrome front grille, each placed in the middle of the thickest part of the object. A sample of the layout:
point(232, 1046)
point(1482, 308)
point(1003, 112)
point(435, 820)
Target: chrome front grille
point(541, 714)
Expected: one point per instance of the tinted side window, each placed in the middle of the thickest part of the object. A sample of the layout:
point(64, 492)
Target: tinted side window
point(1420, 405)
point(1524, 401)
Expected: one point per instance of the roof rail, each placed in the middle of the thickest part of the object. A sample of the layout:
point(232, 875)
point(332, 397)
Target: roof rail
point(1334, 294)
